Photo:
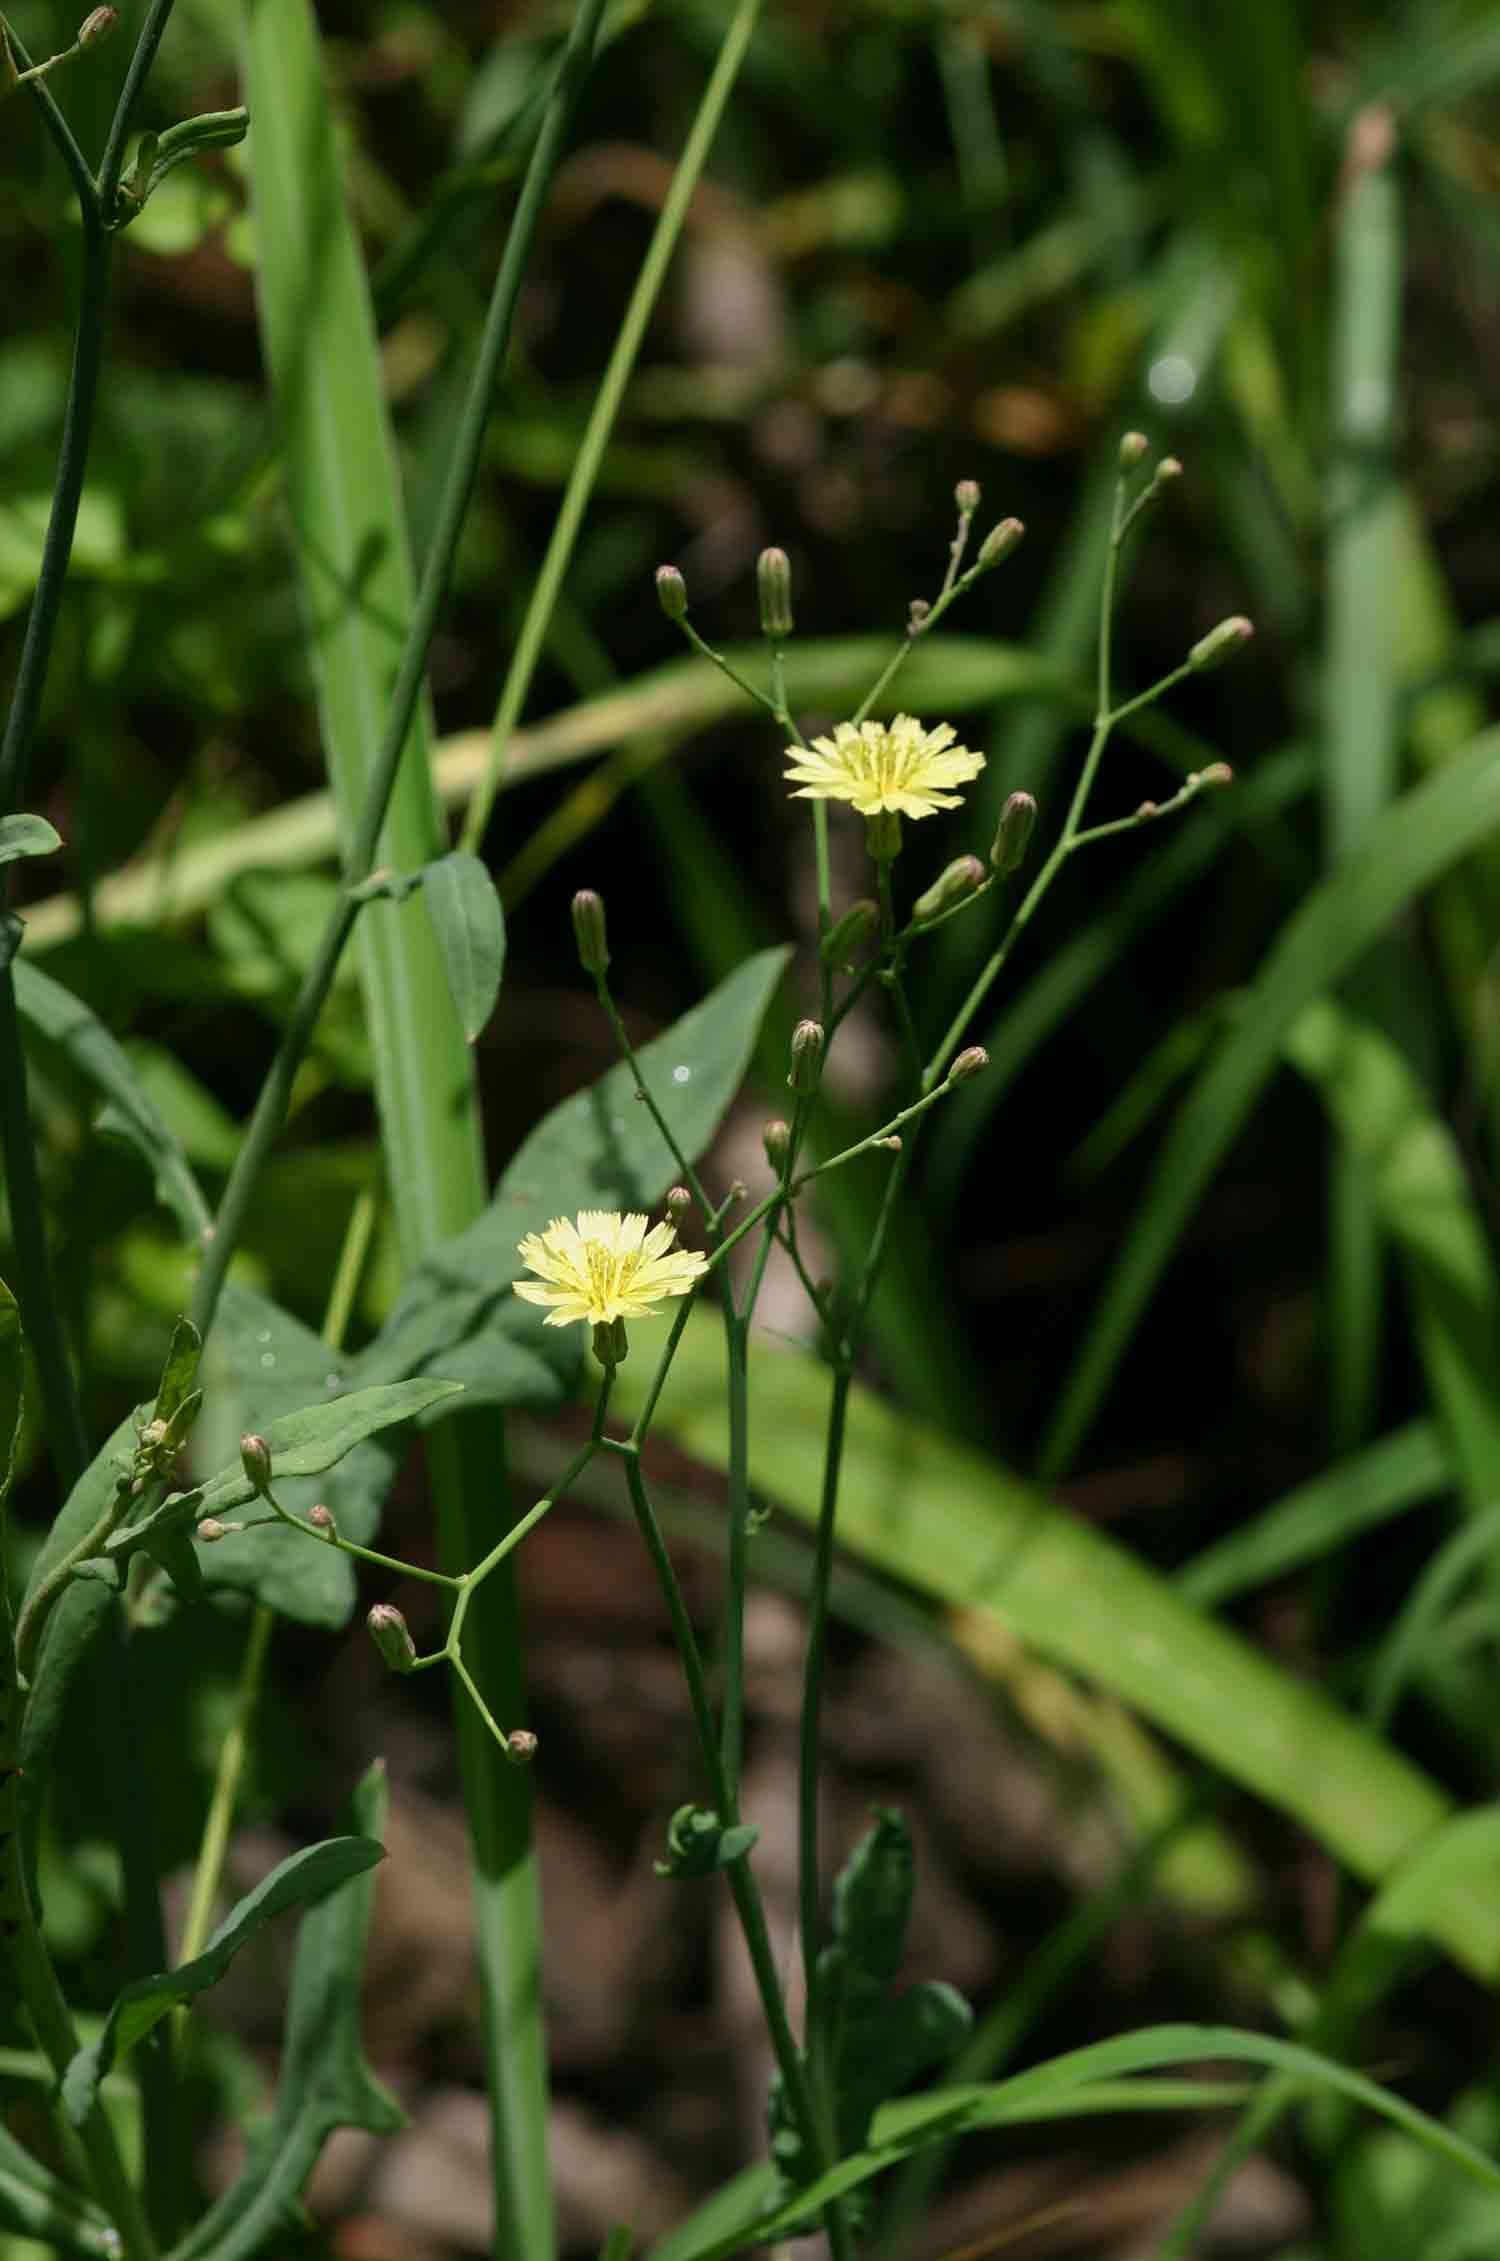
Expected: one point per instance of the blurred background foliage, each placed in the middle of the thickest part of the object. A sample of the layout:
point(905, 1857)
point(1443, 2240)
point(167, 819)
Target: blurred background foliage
point(935, 241)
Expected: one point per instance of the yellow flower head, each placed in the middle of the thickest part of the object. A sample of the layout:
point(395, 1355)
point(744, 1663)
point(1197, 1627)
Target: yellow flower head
point(895, 766)
point(606, 1267)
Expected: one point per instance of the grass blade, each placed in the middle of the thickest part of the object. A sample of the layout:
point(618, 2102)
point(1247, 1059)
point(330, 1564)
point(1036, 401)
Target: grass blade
point(1418, 838)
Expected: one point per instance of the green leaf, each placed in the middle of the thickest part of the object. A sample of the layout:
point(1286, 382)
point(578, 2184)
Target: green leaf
point(295, 1882)
point(1076, 2084)
point(1418, 1187)
point(265, 1364)
point(1400, 1471)
point(35, 2204)
point(874, 2044)
point(598, 1150)
point(306, 1442)
point(93, 1054)
point(180, 1371)
point(953, 1525)
point(325, 2082)
point(1414, 842)
point(470, 928)
point(90, 1496)
point(27, 836)
point(698, 1843)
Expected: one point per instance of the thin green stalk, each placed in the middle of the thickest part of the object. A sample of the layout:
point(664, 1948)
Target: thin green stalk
point(740, 1876)
point(809, 1879)
point(606, 408)
point(220, 1819)
point(732, 1638)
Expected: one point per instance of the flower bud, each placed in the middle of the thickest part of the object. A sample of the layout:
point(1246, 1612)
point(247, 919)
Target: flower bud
point(1013, 835)
point(671, 592)
point(1216, 775)
point(255, 1459)
point(1167, 470)
point(776, 1138)
point(964, 877)
point(966, 495)
point(773, 575)
point(211, 1529)
point(851, 932)
point(916, 616)
point(807, 1057)
point(97, 25)
point(1213, 649)
point(891, 1143)
point(321, 1518)
point(998, 544)
point(883, 836)
point(969, 1063)
point(392, 1636)
point(678, 1202)
point(589, 932)
point(520, 1746)
point(1133, 448)
point(611, 1343)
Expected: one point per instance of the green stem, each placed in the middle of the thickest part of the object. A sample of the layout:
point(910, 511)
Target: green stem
point(113, 161)
point(643, 1092)
point(732, 1705)
point(606, 408)
point(809, 1882)
point(226, 1790)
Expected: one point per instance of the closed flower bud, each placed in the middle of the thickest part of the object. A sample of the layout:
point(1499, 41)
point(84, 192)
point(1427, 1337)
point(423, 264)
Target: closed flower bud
point(520, 1746)
point(589, 932)
point(998, 544)
point(773, 575)
point(891, 1143)
point(678, 1202)
point(966, 495)
point(964, 877)
point(1216, 775)
point(1133, 448)
point(916, 616)
point(1013, 835)
point(1167, 470)
point(1217, 646)
point(97, 25)
point(211, 1529)
point(969, 1062)
point(392, 1636)
point(321, 1518)
point(255, 1459)
point(851, 932)
point(776, 1138)
point(671, 592)
point(807, 1056)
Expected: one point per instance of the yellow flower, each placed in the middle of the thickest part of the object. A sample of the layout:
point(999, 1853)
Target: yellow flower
point(895, 766)
point(606, 1267)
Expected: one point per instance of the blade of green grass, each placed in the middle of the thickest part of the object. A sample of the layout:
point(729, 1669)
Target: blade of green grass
point(1412, 1175)
point(359, 600)
point(1357, 1495)
point(1413, 843)
point(1360, 716)
point(950, 1523)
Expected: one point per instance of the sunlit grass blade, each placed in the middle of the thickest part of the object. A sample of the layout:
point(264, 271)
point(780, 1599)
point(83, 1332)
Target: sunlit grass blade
point(951, 1524)
point(352, 551)
point(1417, 839)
